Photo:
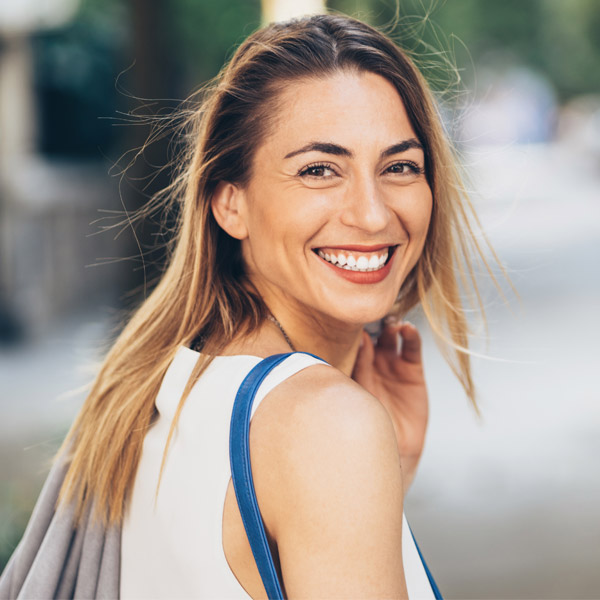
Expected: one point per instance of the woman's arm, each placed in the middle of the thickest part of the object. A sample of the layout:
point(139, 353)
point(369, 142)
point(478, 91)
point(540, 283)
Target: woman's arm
point(336, 491)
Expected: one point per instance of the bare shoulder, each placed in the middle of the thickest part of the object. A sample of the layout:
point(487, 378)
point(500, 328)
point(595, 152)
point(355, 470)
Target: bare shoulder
point(323, 391)
point(329, 483)
point(319, 409)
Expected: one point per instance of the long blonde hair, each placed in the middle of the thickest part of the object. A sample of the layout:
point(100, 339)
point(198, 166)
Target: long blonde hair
point(204, 290)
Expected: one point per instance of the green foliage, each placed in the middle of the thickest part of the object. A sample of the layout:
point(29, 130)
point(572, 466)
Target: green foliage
point(206, 33)
point(74, 72)
point(165, 49)
point(558, 38)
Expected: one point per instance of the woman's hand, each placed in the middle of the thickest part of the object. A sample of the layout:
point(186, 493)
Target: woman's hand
point(397, 380)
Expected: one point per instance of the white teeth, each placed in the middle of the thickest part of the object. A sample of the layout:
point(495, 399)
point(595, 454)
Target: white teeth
point(362, 263)
point(350, 263)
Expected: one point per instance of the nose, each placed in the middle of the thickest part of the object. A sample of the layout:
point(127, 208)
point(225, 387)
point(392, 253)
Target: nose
point(364, 206)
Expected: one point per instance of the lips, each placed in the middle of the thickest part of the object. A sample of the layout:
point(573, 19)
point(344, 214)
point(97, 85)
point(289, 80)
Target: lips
point(358, 258)
point(357, 263)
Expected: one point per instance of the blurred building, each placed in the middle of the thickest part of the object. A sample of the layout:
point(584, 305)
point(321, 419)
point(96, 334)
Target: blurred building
point(48, 201)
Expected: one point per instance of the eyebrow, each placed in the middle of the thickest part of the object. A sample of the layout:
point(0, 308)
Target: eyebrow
point(337, 150)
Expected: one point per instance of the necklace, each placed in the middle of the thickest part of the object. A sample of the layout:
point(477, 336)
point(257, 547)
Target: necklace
point(285, 335)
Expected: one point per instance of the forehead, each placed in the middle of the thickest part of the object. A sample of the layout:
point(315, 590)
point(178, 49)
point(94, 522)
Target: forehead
point(349, 108)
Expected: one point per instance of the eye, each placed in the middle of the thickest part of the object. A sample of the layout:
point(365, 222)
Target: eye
point(405, 167)
point(319, 170)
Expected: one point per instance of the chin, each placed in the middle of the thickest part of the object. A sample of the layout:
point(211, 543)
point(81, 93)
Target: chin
point(360, 315)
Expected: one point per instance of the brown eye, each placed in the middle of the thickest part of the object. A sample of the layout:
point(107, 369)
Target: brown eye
point(320, 171)
point(405, 168)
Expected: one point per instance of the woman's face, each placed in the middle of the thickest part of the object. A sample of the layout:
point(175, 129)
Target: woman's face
point(338, 206)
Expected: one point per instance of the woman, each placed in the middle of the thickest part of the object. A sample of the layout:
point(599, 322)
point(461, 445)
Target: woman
point(319, 195)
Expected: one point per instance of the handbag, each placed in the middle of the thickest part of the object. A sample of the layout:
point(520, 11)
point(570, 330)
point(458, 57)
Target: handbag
point(58, 559)
point(243, 483)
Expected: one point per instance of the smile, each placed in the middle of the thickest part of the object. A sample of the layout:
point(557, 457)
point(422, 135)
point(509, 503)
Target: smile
point(358, 264)
point(355, 261)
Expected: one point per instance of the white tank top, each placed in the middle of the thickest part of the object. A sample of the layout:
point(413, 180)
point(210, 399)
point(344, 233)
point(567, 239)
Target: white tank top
point(172, 545)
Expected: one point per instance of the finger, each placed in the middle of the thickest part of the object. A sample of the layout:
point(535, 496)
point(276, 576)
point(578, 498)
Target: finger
point(388, 338)
point(366, 353)
point(411, 343)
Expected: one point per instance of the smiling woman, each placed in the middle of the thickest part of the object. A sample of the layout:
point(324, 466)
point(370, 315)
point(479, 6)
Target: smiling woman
point(326, 202)
point(319, 195)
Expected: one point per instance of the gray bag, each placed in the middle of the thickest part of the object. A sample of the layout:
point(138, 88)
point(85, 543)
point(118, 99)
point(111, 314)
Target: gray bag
point(55, 559)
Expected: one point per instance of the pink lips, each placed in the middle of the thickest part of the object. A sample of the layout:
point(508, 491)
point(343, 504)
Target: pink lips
point(368, 277)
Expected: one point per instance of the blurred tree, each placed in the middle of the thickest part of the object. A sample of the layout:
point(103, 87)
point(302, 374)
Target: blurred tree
point(153, 50)
point(138, 58)
point(75, 69)
point(558, 38)
point(177, 47)
point(207, 33)
point(117, 53)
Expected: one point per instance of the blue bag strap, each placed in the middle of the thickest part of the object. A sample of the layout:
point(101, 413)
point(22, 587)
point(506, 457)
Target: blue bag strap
point(434, 587)
point(243, 483)
point(241, 472)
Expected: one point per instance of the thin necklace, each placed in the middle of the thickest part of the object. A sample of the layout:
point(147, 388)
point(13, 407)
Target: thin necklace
point(285, 335)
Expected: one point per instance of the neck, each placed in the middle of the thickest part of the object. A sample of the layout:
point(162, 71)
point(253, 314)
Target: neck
point(333, 341)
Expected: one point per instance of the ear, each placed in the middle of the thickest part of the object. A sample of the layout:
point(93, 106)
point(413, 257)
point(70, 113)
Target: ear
point(226, 204)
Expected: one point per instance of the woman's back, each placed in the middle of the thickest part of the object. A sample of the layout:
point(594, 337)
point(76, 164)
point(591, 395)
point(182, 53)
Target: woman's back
point(181, 542)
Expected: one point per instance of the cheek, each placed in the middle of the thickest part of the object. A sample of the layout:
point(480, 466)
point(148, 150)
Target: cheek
point(277, 236)
point(415, 212)
point(288, 220)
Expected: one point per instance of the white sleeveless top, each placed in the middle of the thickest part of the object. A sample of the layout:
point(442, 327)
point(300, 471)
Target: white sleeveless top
point(172, 545)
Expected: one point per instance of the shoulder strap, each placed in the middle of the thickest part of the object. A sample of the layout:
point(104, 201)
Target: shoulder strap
point(243, 483)
point(241, 471)
point(434, 588)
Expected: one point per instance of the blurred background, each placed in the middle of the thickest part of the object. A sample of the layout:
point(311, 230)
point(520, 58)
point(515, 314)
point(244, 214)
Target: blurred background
point(504, 506)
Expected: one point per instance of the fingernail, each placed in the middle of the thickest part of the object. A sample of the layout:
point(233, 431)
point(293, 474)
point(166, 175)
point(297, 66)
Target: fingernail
point(391, 320)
